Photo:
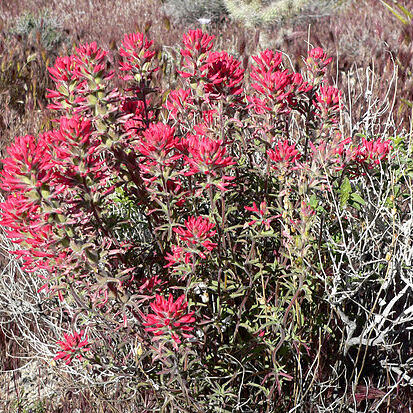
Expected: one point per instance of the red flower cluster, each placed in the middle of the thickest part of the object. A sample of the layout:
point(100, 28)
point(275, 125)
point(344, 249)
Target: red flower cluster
point(197, 232)
point(261, 212)
point(178, 103)
point(57, 211)
point(177, 257)
point(65, 75)
point(368, 154)
point(136, 117)
point(27, 225)
point(328, 103)
point(28, 166)
point(78, 78)
point(48, 173)
point(74, 152)
point(157, 142)
point(73, 346)
point(26, 175)
point(197, 45)
point(91, 62)
point(63, 70)
point(138, 53)
point(283, 155)
point(317, 62)
point(277, 88)
point(206, 155)
point(170, 319)
point(196, 238)
point(372, 152)
point(223, 77)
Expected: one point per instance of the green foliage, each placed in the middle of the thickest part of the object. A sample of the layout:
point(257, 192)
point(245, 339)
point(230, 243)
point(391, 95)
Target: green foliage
point(23, 406)
point(267, 12)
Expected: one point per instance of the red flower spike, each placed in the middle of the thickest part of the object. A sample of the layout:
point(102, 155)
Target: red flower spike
point(197, 232)
point(149, 284)
point(328, 103)
point(267, 62)
point(223, 76)
point(196, 45)
point(67, 76)
point(274, 85)
point(73, 346)
point(137, 52)
point(73, 150)
point(136, 46)
point(262, 211)
point(136, 116)
point(178, 256)
point(206, 155)
point(306, 210)
point(317, 62)
point(372, 152)
point(27, 226)
point(28, 166)
point(318, 55)
point(283, 155)
point(90, 52)
point(91, 60)
point(278, 88)
point(177, 104)
point(196, 42)
point(157, 142)
point(170, 318)
point(63, 69)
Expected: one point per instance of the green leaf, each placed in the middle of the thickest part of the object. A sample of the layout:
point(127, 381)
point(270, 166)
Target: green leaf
point(345, 191)
point(313, 201)
point(358, 199)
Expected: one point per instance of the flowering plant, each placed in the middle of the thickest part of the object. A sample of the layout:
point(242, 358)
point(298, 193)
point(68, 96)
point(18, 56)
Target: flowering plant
point(241, 280)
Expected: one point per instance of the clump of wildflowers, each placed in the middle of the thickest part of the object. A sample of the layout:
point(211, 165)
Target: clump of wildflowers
point(221, 182)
